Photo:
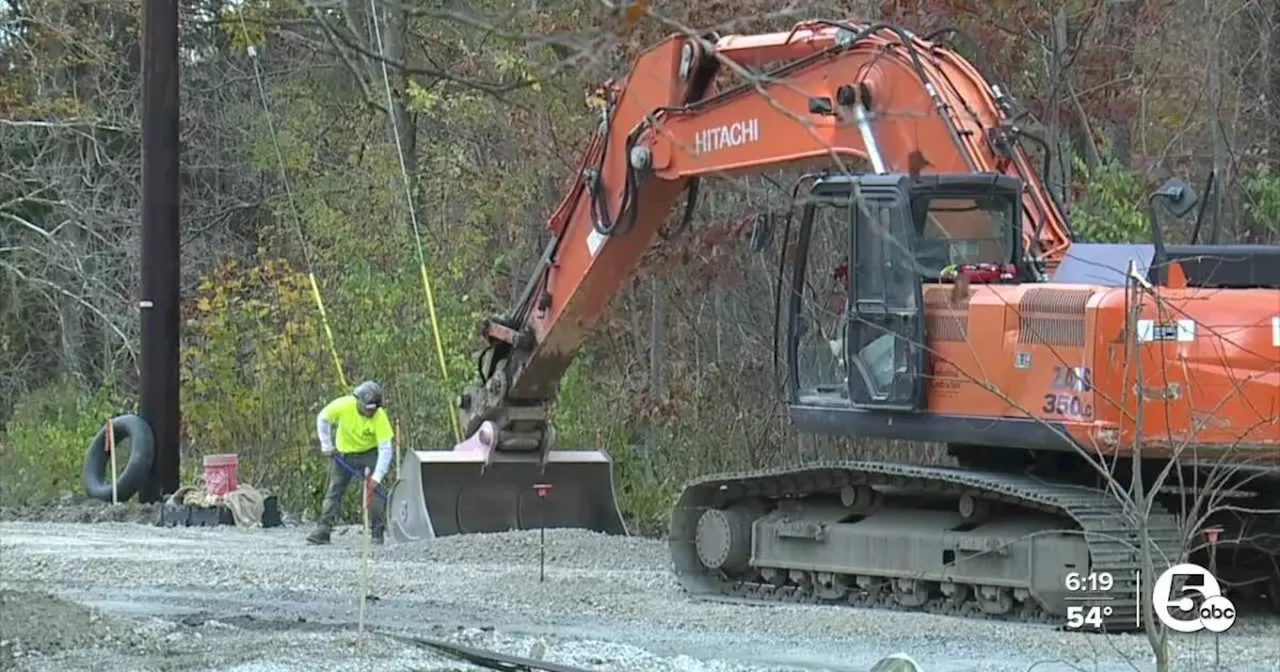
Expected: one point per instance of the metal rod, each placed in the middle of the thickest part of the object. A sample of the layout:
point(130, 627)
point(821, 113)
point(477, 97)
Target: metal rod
point(542, 544)
point(367, 541)
point(863, 118)
point(160, 295)
point(489, 659)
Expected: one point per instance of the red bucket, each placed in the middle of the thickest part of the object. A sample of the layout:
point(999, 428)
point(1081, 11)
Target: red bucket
point(220, 472)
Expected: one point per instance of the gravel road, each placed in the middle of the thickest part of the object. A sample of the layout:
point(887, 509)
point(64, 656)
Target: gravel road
point(127, 596)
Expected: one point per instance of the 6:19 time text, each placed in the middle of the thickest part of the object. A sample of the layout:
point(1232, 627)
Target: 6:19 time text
point(1094, 582)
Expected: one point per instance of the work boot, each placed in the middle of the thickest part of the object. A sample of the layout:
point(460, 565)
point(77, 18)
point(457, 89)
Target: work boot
point(320, 536)
point(377, 537)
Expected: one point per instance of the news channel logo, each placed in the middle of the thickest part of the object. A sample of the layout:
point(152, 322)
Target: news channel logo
point(1175, 605)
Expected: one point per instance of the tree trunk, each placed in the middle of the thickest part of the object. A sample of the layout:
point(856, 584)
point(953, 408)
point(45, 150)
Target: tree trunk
point(393, 32)
point(1121, 29)
point(1060, 163)
point(1221, 157)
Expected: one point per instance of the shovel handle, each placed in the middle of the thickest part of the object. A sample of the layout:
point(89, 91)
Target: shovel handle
point(382, 494)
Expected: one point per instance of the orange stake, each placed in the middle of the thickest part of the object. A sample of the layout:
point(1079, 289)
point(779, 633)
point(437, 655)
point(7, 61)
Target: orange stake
point(365, 569)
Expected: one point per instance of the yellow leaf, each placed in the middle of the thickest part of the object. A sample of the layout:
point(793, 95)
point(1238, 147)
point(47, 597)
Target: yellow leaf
point(635, 10)
point(202, 305)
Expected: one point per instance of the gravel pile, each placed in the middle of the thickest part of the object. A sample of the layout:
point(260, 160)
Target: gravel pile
point(38, 625)
point(68, 509)
point(607, 603)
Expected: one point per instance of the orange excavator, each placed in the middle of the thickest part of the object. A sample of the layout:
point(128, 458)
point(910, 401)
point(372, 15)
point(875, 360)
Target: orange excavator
point(1060, 374)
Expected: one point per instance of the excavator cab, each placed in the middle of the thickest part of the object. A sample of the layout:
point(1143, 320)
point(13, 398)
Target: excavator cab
point(866, 246)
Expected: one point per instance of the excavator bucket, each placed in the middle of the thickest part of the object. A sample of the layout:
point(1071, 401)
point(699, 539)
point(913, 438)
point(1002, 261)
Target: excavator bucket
point(474, 488)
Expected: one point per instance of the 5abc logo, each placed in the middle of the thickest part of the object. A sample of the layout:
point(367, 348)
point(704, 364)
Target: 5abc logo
point(1216, 613)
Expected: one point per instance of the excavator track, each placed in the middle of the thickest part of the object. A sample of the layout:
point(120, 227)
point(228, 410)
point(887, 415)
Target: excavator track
point(880, 534)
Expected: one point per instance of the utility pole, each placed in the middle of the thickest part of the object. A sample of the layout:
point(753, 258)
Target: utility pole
point(160, 294)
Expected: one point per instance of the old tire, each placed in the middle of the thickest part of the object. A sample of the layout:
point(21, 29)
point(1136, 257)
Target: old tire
point(142, 449)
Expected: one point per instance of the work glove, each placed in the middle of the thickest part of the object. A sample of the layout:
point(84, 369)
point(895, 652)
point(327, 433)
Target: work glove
point(327, 450)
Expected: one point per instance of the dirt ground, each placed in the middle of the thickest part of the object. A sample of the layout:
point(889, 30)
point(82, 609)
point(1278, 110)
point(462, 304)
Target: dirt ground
point(129, 596)
point(43, 632)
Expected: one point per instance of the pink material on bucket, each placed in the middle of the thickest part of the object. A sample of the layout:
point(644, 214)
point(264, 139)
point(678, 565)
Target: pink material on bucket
point(220, 473)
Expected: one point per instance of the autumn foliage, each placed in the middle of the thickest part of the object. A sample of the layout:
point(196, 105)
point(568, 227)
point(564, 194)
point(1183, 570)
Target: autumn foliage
point(494, 107)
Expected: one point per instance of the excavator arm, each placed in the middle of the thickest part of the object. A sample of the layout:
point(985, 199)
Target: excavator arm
point(830, 95)
point(842, 95)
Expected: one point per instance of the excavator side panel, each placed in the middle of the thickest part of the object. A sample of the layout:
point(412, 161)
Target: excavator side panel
point(471, 489)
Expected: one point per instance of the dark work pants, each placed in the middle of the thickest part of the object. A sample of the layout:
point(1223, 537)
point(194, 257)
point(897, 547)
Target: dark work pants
point(339, 478)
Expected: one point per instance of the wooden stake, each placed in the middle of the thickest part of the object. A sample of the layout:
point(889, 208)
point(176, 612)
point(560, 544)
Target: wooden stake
point(395, 464)
point(111, 450)
point(368, 551)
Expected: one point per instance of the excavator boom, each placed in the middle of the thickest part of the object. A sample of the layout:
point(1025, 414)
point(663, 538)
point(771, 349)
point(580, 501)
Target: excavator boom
point(927, 110)
point(836, 96)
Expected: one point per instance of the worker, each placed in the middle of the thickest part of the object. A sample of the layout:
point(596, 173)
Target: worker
point(357, 429)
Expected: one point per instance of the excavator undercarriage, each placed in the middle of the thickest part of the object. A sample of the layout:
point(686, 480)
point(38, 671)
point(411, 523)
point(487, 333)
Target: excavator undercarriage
point(944, 539)
point(973, 541)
